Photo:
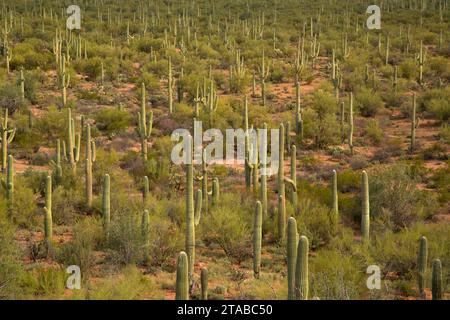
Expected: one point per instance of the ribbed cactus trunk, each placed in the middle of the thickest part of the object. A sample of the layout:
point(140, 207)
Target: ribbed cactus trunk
point(106, 204)
point(365, 214)
point(190, 214)
point(48, 221)
point(7, 137)
point(281, 188)
point(263, 189)
point(170, 86)
point(145, 192)
point(59, 172)
point(89, 160)
point(281, 218)
point(204, 283)
point(145, 234)
point(350, 120)
point(182, 282)
point(205, 182)
point(413, 125)
point(257, 239)
point(292, 241)
point(8, 185)
point(335, 199)
point(71, 140)
point(301, 271)
point(436, 280)
point(293, 192)
point(422, 264)
point(215, 192)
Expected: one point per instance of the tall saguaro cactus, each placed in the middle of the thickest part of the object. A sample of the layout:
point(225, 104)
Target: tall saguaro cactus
point(190, 212)
point(414, 125)
point(298, 114)
point(263, 188)
point(182, 282)
point(257, 239)
point(90, 159)
point(422, 263)
point(292, 241)
point(106, 204)
point(204, 283)
point(263, 74)
point(293, 191)
point(335, 200)
point(301, 271)
point(350, 120)
point(145, 127)
point(170, 85)
point(8, 185)
point(365, 214)
point(48, 221)
point(71, 140)
point(7, 137)
point(436, 280)
point(145, 233)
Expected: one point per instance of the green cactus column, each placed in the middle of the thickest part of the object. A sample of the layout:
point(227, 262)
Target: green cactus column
point(205, 191)
point(292, 240)
point(90, 158)
point(48, 221)
point(257, 239)
point(144, 129)
point(204, 283)
point(365, 214)
point(215, 191)
point(182, 282)
point(293, 191)
point(413, 125)
point(335, 199)
point(145, 234)
point(71, 140)
point(22, 85)
point(170, 85)
point(8, 185)
point(59, 172)
point(436, 280)
point(422, 263)
point(350, 120)
point(7, 137)
point(145, 192)
point(106, 204)
point(281, 218)
point(263, 188)
point(301, 270)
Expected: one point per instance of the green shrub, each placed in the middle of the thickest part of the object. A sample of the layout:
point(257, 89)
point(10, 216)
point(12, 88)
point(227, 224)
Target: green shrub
point(368, 103)
point(113, 121)
point(373, 131)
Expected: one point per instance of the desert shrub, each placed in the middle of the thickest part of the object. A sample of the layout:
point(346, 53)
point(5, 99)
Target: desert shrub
point(368, 103)
point(314, 221)
point(24, 209)
point(10, 264)
point(336, 277)
point(47, 282)
point(10, 97)
point(150, 80)
point(437, 101)
point(321, 122)
point(165, 240)
point(91, 67)
point(408, 69)
point(230, 228)
point(64, 205)
point(52, 126)
point(80, 251)
point(444, 133)
point(394, 199)
point(130, 285)
point(348, 180)
point(438, 151)
point(125, 240)
point(113, 121)
point(358, 161)
point(373, 131)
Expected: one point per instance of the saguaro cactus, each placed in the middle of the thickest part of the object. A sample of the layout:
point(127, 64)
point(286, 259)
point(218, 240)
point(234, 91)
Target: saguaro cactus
point(263, 74)
point(145, 191)
point(90, 158)
point(350, 121)
point(48, 222)
point(365, 214)
point(422, 263)
point(292, 240)
point(436, 280)
point(335, 200)
point(190, 212)
point(204, 283)
point(22, 85)
point(414, 125)
point(170, 85)
point(281, 218)
point(298, 114)
point(106, 204)
point(293, 191)
point(7, 137)
point(301, 271)
point(257, 239)
point(71, 140)
point(59, 172)
point(215, 191)
point(263, 189)
point(145, 127)
point(8, 185)
point(145, 234)
point(182, 282)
